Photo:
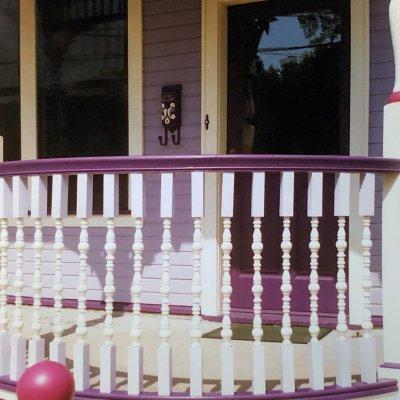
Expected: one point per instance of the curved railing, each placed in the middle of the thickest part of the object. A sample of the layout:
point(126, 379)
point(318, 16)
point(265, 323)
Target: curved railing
point(16, 202)
point(206, 163)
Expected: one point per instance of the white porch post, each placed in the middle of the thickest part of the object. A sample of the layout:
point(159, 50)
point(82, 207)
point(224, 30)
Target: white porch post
point(391, 217)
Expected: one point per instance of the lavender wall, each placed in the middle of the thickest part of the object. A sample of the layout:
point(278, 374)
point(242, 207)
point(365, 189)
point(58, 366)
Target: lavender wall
point(381, 85)
point(172, 54)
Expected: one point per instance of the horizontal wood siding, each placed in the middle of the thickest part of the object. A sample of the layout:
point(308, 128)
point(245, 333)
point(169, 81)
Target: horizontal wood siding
point(381, 85)
point(172, 54)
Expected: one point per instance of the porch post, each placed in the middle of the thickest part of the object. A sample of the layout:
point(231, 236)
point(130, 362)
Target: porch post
point(391, 217)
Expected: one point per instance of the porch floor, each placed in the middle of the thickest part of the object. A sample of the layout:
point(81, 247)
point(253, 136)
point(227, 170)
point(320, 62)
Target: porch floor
point(180, 341)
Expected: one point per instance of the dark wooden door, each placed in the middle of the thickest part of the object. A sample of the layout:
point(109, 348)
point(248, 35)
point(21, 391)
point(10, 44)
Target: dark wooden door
point(288, 93)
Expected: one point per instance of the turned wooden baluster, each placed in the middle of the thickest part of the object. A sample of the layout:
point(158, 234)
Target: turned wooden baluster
point(196, 350)
point(38, 211)
point(343, 348)
point(164, 350)
point(257, 212)
point(287, 350)
point(367, 342)
point(227, 372)
point(108, 348)
point(18, 342)
point(59, 210)
point(5, 214)
point(135, 351)
point(314, 211)
point(84, 209)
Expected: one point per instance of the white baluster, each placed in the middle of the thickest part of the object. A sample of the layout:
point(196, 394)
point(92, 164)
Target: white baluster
point(343, 348)
point(314, 211)
point(5, 213)
point(38, 211)
point(135, 351)
point(367, 342)
point(59, 210)
point(196, 350)
point(257, 212)
point(287, 350)
point(164, 350)
point(18, 342)
point(108, 349)
point(227, 373)
point(81, 347)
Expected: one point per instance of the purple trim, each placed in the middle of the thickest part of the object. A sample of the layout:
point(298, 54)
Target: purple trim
point(245, 316)
point(390, 365)
point(377, 321)
point(214, 163)
point(394, 98)
point(357, 390)
point(100, 305)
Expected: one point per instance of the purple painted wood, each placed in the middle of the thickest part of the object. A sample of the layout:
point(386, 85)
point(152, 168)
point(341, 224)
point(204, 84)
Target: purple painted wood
point(99, 305)
point(213, 163)
point(381, 87)
point(357, 390)
point(245, 316)
point(390, 365)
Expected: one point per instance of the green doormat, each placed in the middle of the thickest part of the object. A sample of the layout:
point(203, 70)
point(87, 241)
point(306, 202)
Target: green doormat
point(272, 333)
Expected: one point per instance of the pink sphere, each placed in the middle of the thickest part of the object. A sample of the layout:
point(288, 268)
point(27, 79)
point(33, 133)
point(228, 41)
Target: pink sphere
point(46, 380)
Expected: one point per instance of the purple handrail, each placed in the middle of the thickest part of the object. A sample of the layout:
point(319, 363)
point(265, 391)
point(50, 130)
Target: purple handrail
point(211, 163)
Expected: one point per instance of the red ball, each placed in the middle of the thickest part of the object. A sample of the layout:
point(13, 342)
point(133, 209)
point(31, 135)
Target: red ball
point(46, 380)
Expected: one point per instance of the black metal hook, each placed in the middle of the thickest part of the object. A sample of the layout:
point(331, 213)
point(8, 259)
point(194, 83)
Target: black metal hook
point(163, 142)
point(176, 140)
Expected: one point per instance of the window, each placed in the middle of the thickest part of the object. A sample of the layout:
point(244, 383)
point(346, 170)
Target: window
point(83, 82)
point(10, 126)
point(289, 77)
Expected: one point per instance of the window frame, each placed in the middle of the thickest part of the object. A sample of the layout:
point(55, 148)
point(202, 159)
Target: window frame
point(28, 90)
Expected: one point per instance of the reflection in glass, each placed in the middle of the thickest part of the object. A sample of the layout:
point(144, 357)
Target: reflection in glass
point(82, 78)
point(83, 83)
point(289, 77)
point(10, 127)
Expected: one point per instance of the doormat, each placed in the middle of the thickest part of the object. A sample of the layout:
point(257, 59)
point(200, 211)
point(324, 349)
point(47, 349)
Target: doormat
point(272, 333)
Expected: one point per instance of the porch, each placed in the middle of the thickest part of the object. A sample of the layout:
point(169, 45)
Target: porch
point(120, 266)
point(166, 354)
point(180, 325)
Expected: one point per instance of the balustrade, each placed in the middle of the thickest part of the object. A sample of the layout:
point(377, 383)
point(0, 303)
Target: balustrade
point(14, 190)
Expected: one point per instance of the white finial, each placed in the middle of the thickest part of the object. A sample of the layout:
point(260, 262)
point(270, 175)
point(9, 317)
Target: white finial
point(394, 16)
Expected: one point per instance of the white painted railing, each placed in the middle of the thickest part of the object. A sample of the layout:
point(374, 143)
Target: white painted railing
point(14, 191)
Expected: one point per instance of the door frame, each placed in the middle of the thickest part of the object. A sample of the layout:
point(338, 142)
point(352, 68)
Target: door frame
point(213, 140)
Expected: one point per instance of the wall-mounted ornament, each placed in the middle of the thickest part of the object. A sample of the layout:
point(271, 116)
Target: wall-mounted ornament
point(171, 114)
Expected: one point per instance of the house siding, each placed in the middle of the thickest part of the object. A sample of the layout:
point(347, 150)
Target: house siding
point(172, 54)
point(381, 85)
